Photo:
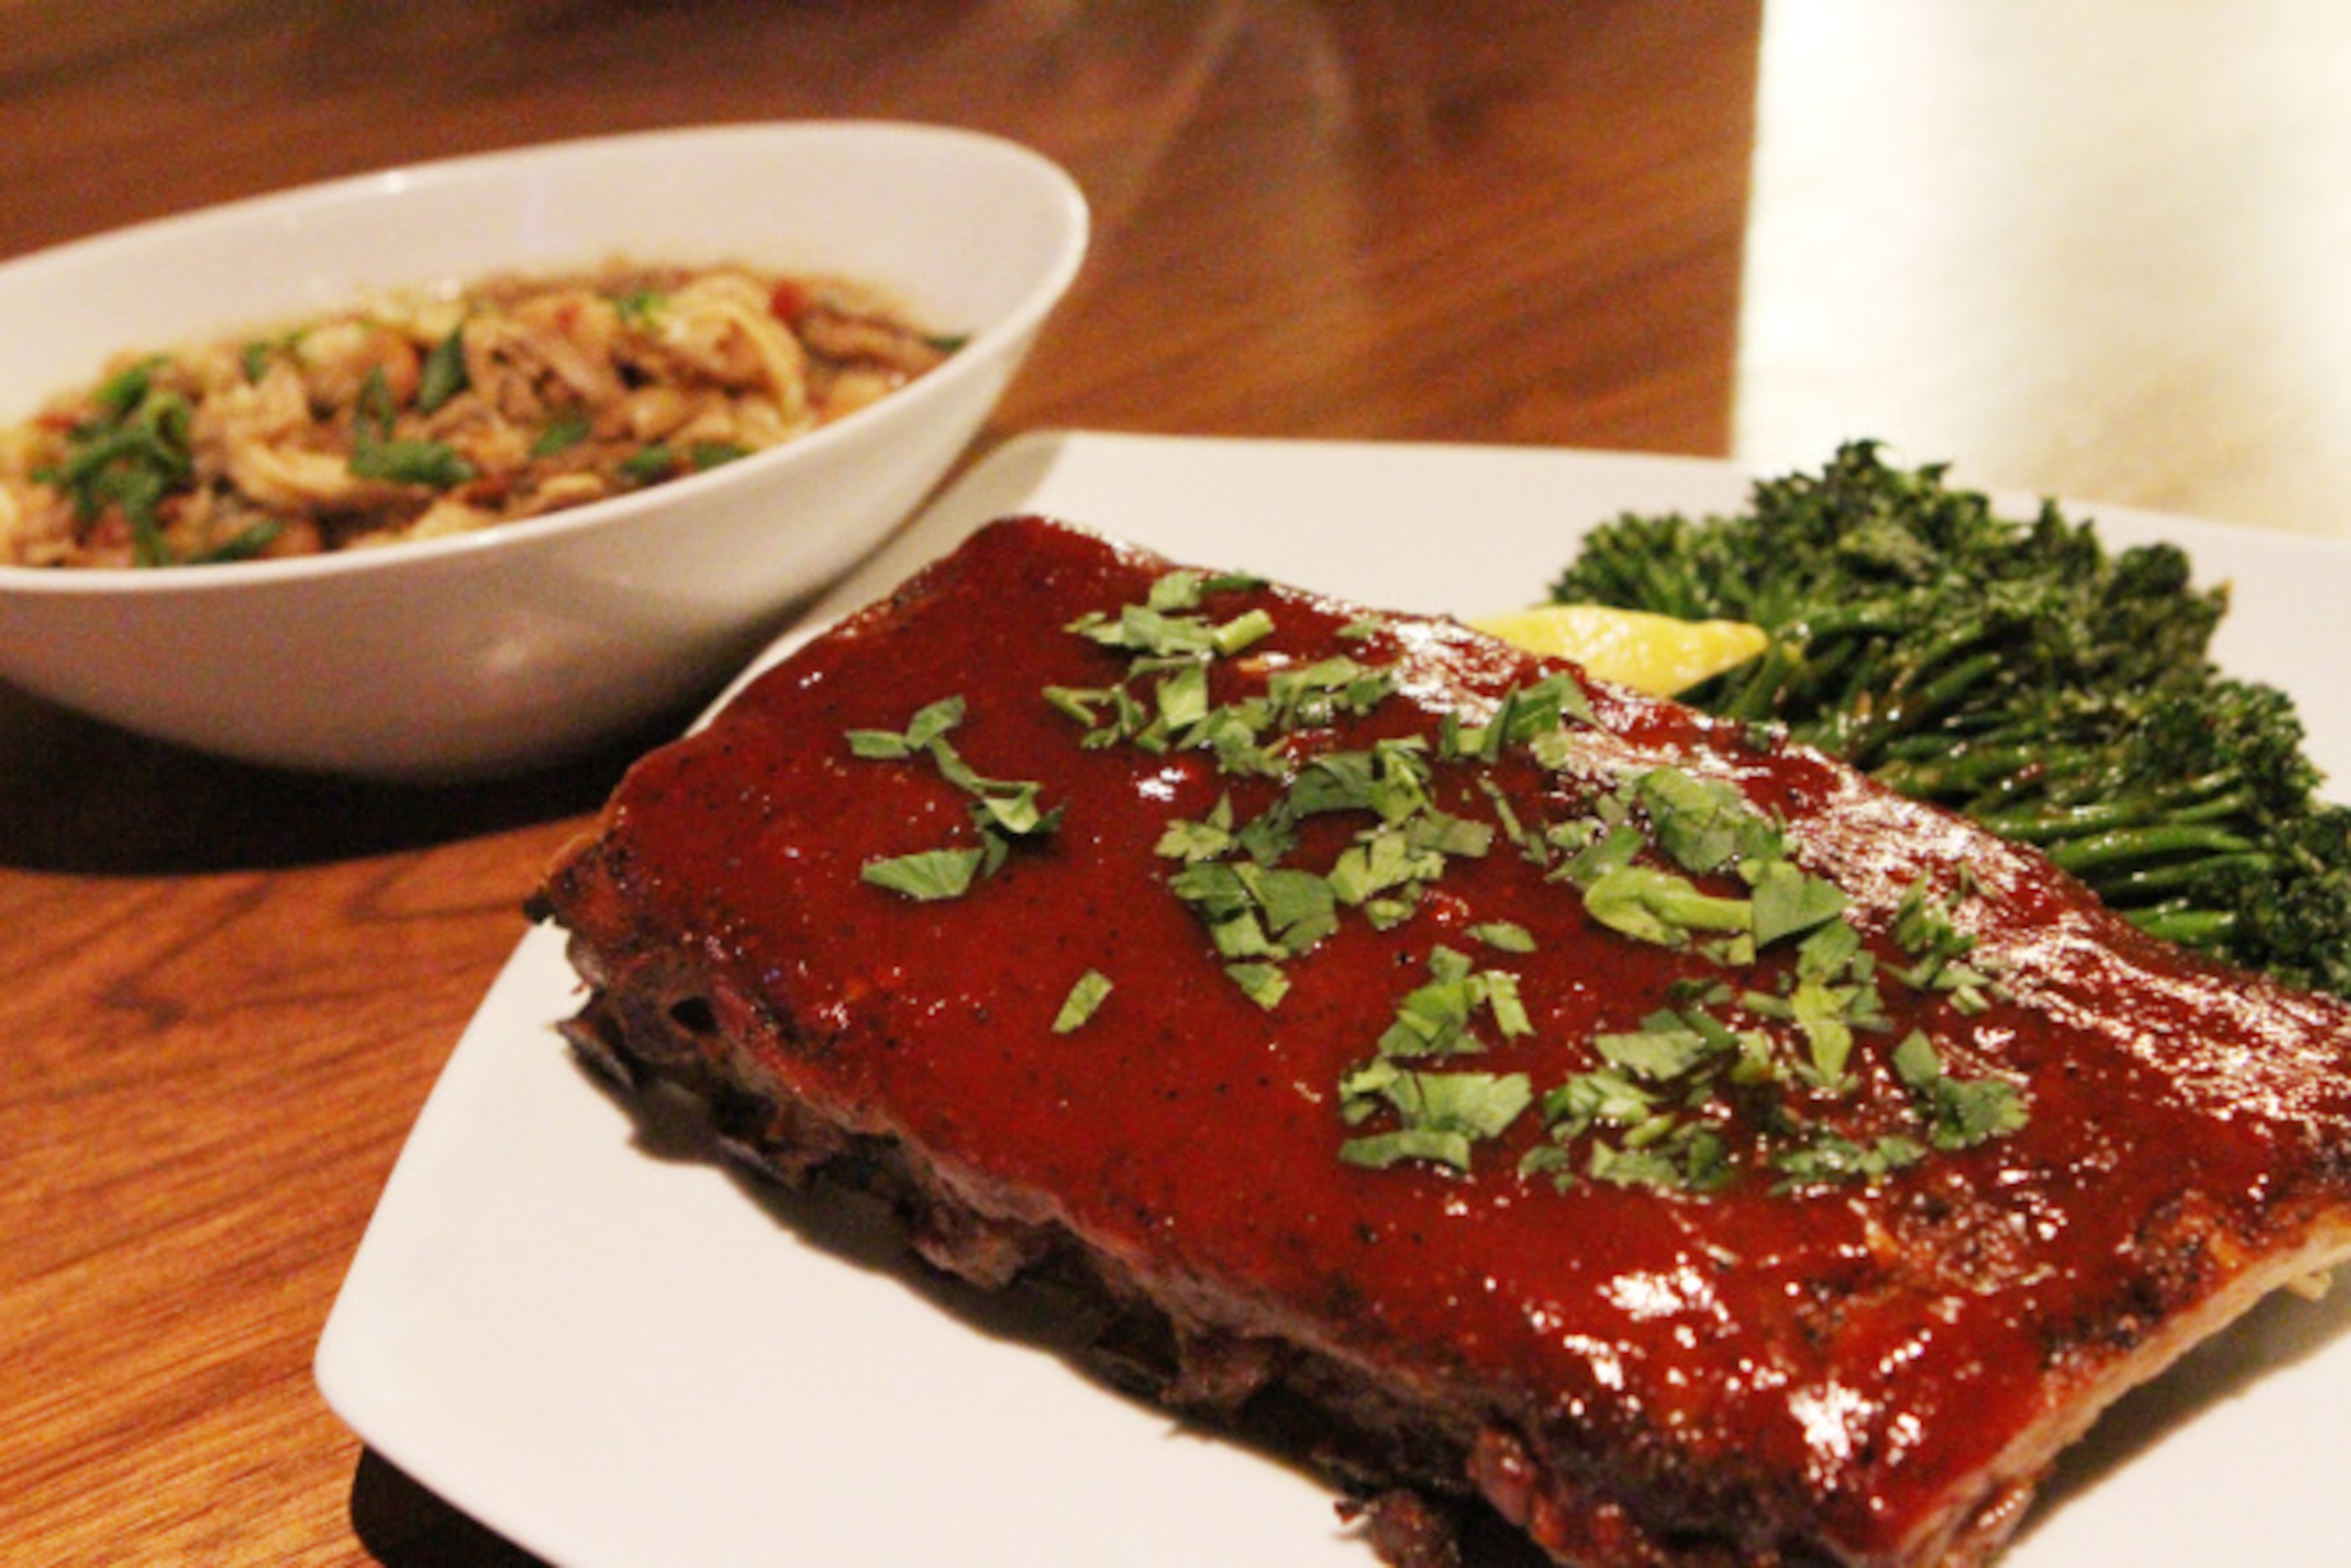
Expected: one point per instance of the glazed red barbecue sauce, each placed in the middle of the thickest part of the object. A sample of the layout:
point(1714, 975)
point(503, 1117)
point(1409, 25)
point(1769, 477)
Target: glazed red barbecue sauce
point(1849, 1357)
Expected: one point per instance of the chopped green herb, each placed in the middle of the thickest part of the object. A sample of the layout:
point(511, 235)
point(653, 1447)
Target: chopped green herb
point(1003, 809)
point(1663, 1050)
point(1832, 950)
point(1703, 825)
point(1182, 695)
point(1526, 715)
point(1141, 629)
point(1604, 1097)
point(1085, 996)
point(926, 876)
point(1436, 1145)
point(1443, 1114)
point(1195, 840)
point(1435, 1018)
point(433, 463)
point(1507, 936)
point(641, 308)
point(561, 434)
point(1788, 900)
point(1820, 1014)
point(1599, 854)
point(1314, 695)
point(1968, 1112)
point(1923, 925)
point(1683, 1155)
point(930, 721)
point(1658, 907)
point(243, 545)
point(650, 464)
point(1232, 733)
point(1511, 1019)
point(1961, 1112)
point(1263, 983)
point(133, 456)
point(1249, 628)
point(1831, 1160)
point(1380, 862)
point(444, 375)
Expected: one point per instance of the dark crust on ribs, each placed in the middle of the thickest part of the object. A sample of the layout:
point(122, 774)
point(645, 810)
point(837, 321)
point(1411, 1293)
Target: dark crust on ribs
point(2186, 1150)
point(1178, 1354)
point(1410, 1468)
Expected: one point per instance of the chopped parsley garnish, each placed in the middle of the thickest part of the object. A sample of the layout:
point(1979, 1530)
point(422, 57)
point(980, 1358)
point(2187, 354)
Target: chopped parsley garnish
point(1263, 983)
point(1253, 912)
point(1788, 900)
point(1507, 936)
point(1087, 994)
point(1439, 1114)
point(930, 721)
point(1825, 1159)
point(1769, 1053)
point(1960, 1112)
point(1442, 1116)
point(927, 874)
point(1435, 1018)
point(1653, 906)
point(1704, 824)
point(1533, 716)
point(1004, 810)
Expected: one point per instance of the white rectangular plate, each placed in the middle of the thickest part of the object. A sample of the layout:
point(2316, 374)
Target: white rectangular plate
point(616, 1354)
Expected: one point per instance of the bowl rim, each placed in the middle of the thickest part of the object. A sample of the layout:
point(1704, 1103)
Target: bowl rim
point(391, 182)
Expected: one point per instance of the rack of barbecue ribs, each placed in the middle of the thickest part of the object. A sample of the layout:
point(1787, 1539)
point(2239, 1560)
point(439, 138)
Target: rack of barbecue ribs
point(1630, 1120)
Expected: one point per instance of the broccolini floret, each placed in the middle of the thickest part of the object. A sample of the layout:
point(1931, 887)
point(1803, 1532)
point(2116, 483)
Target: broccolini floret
point(2021, 673)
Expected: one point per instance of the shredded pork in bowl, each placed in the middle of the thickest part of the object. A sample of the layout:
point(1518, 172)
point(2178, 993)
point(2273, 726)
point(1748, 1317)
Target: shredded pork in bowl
point(443, 411)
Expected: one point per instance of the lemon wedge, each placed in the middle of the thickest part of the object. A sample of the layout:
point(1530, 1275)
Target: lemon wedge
point(1649, 652)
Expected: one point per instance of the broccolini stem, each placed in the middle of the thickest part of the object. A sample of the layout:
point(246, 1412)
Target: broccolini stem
point(1754, 697)
point(2049, 825)
point(1961, 777)
point(2207, 929)
point(2154, 842)
point(1921, 707)
point(2133, 889)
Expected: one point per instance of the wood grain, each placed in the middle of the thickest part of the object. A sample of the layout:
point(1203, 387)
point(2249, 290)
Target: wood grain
point(1498, 220)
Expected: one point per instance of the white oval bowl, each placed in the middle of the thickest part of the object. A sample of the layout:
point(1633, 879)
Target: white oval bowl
point(525, 644)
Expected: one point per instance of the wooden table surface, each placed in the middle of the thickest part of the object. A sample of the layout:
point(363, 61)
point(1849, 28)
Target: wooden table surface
point(2082, 247)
